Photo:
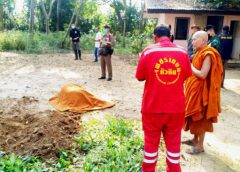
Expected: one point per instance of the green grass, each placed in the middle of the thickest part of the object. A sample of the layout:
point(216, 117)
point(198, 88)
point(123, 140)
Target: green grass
point(25, 42)
point(116, 146)
point(111, 145)
point(40, 43)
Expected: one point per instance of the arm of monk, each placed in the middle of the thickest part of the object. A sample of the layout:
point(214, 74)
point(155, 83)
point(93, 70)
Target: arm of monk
point(203, 73)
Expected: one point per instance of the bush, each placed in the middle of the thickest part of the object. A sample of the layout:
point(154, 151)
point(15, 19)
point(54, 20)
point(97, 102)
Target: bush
point(32, 43)
point(52, 43)
point(139, 42)
point(116, 147)
point(13, 163)
point(7, 45)
point(20, 45)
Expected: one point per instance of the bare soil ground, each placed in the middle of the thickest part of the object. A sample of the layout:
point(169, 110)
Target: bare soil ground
point(29, 125)
point(25, 131)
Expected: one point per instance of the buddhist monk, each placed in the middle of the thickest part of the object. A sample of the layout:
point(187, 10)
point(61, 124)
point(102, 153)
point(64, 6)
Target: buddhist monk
point(202, 91)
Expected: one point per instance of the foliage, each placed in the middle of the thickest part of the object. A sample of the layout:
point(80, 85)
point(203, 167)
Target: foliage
point(117, 146)
point(105, 145)
point(6, 13)
point(42, 43)
point(13, 163)
point(116, 19)
point(222, 3)
point(66, 12)
point(37, 43)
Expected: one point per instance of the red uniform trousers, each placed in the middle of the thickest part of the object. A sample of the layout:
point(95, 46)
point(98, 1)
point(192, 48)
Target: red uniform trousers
point(170, 125)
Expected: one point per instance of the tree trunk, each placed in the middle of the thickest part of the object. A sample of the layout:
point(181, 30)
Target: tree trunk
point(1, 17)
point(59, 4)
point(124, 22)
point(69, 25)
point(141, 15)
point(47, 15)
point(47, 25)
point(118, 12)
point(77, 19)
point(31, 24)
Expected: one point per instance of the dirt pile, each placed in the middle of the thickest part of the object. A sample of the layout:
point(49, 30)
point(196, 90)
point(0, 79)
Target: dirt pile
point(24, 131)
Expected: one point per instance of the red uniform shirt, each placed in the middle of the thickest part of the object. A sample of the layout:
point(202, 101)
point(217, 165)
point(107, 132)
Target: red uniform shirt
point(165, 66)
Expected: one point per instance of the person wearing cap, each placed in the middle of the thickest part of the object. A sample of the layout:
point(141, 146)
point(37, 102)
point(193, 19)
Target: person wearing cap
point(194, 29)
point(105, 51)
point(226, 41)
point(214, 40)
point(75, 39)
point(164, 66)
point(98, 38)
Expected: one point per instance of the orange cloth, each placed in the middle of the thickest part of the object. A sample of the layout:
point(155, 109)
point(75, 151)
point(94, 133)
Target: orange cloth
point(203, 95)
point(75, 98)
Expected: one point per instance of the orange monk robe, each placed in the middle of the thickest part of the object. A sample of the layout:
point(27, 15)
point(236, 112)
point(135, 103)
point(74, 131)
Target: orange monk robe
point(203, 95)
point(75, 98)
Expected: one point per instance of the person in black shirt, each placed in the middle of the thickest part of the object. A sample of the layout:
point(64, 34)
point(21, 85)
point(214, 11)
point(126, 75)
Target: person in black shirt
point(74, 38)
point(226, 41)
point(171, 35)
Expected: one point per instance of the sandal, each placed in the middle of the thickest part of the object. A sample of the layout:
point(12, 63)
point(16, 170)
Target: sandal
point(194, 151)
point(188, 142)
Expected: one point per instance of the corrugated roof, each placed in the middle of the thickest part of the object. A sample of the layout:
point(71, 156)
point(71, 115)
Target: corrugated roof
point(184, 6)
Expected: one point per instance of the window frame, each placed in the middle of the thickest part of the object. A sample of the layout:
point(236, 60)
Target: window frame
point(188, 22)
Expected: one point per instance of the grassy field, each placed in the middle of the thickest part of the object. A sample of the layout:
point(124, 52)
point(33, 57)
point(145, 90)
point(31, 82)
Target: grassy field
point(54, 43)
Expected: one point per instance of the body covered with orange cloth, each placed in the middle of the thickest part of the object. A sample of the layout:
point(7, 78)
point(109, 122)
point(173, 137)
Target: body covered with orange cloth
point(75, 98)
point(202, 91)
point(203, 95)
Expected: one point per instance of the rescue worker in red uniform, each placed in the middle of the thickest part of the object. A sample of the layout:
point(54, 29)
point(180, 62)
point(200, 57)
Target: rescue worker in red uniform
point(164, 67)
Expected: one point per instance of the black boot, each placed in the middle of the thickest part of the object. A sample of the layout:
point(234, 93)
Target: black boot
point(76, 54)
point(79, 53)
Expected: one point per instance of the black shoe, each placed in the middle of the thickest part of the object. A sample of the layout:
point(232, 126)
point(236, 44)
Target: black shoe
point(103, 77)
point(109, 79)
point(75, 59)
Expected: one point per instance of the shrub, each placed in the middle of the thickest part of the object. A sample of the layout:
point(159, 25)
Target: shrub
point(7, 45)
point(115, 147)
point(20, 45)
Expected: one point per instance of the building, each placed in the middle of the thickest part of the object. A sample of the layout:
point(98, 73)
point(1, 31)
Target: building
point(182, 14)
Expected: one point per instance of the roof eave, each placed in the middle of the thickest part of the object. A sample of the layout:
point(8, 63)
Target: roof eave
point(183, 11)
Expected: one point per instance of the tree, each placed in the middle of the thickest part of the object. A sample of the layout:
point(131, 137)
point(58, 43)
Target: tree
point(130, 14)
point(47, 15)
point(221, 3)
point(124, 21)
point(1, 16)
point(31, 23)
point(59, 4)
point(6, 14)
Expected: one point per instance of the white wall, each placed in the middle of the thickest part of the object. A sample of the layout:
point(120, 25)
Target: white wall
point(236, 43)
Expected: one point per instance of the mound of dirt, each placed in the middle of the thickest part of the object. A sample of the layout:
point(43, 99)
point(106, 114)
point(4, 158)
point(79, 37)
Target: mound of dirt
point(24, 131)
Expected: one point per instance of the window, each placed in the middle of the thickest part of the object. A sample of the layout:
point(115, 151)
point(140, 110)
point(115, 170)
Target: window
point(181, 29)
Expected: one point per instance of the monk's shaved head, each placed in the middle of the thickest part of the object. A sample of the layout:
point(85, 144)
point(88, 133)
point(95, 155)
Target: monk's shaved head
point(200, 39)
point(202, 35)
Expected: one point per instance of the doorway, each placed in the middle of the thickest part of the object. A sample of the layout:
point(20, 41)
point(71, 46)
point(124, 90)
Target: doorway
point(235, 32)
point(217, 22)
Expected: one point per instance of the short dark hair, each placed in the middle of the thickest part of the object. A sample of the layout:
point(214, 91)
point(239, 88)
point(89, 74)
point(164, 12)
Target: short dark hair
point(209, 27)
point(226, 28)
point(160, 31)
